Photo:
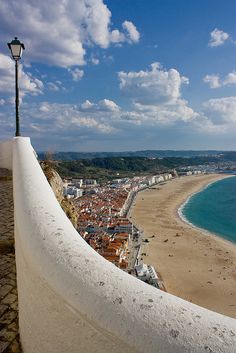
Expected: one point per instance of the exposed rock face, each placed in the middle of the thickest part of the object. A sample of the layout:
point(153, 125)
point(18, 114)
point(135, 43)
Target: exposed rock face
point(69, 209)
point(56, 183)
point(54, 179)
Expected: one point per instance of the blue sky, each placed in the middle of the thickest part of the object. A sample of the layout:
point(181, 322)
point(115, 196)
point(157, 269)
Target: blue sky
point(99, 75)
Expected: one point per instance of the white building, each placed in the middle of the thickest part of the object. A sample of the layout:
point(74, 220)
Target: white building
point(72, 191)
point(90, 182)
point(77, 182)
point(151, 180)
point(159, 179)
point(146, 273)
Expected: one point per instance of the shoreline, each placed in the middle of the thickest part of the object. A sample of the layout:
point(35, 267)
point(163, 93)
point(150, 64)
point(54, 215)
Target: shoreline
point(181, 216)
point(195, 264)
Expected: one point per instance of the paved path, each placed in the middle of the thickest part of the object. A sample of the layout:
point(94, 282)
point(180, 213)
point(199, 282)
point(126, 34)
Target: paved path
point(9, 336)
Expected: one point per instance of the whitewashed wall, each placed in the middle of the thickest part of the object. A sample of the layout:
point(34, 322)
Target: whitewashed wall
point(71, 300)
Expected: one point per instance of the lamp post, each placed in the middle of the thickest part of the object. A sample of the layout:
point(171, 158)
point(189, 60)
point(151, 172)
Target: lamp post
point(16, 48)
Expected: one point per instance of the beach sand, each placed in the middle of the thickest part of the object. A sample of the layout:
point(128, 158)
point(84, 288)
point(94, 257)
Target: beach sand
point(194, 265)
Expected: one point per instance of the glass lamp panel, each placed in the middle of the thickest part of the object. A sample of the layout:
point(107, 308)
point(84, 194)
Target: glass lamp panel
point(16, 50)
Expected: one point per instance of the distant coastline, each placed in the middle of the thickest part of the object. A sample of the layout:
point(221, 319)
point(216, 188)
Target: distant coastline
point(194, 266)
point(186, 219)
point(180, 208)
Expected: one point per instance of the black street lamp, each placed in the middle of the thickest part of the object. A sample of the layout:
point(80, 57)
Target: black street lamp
point(16, 48)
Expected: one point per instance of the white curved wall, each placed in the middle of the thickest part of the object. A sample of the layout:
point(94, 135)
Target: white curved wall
point(71, 300)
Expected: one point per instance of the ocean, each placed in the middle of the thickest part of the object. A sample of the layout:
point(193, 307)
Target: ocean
point(214, 209)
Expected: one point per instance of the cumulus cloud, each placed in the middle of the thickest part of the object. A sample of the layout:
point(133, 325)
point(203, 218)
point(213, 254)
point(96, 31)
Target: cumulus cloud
point(108, 105)
point(230, 79)
point(104, 105)
point(87, 105)
point(221, 110)
point(28, 83)
point(76, 74)
point(217, 38)
point(215, 81)
point(57, 32)
point(98, 119)
point(156, 95)
point(152, 86)
point(116, 36)
point(65, 118)
point(104, 125)
point(132, 32)
point(164, 114)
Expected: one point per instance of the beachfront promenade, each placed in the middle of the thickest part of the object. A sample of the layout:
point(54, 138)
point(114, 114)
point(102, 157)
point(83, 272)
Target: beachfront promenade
point(73, 300)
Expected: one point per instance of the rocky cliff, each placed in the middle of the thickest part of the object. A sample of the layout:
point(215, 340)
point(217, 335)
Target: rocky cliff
point(56, 183)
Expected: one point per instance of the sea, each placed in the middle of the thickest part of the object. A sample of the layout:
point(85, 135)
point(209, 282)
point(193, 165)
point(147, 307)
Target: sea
point(213, 208)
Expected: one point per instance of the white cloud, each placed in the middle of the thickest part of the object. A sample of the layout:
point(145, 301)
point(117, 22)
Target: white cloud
point(117, 37)
point(230, 79)
point(57, 32)
point(106, 124)
point(76, 74)
point(2, 101)
point(213, 80)
point(154, 86)
point(132, 32)
point(53, 87)
point(108, 105)
point(44, 107)
point(87, 105)
point(164, 114)
point(156, 95)
point(94, 61)
point(28, 84)
point(218, 37)
point(66, 119)
point(104, 105)
point(104, 117)
point(221, 110)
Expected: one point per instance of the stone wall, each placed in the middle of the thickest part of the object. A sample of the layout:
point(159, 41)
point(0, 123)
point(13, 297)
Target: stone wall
point(9, 331)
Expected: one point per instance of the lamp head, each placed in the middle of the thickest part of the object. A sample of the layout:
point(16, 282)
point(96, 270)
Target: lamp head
point(16, 48)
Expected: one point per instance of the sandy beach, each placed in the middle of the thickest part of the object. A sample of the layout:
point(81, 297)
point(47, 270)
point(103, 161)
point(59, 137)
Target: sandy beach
point(194, 265)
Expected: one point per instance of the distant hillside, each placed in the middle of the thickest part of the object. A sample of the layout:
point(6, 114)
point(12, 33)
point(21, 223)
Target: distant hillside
point(111, 167)
point(148, 153)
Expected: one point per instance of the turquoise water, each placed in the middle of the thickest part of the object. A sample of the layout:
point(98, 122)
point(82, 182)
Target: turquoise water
point(214, 209)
